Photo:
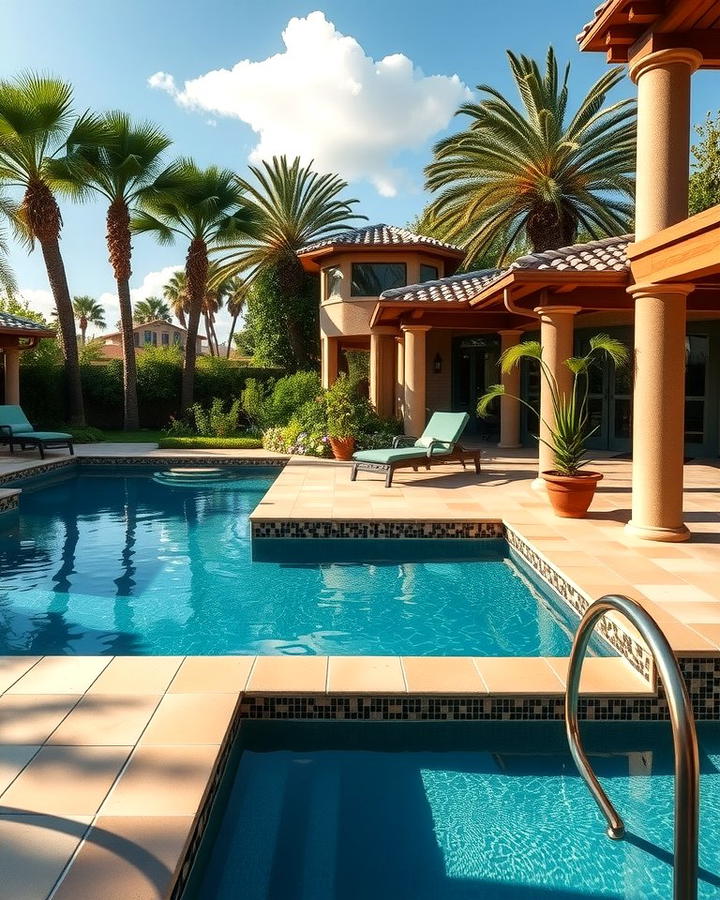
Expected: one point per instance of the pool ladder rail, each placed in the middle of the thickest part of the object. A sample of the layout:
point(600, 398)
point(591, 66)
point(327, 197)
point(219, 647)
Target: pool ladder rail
point(687, 764)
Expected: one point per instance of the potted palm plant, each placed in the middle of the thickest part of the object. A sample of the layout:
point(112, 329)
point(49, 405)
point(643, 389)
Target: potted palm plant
point(571, 488)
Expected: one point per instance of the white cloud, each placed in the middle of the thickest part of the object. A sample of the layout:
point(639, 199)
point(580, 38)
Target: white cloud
point(39, 300)
point(324, 98)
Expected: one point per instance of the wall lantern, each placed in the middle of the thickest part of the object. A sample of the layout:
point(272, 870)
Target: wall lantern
point(437, 364)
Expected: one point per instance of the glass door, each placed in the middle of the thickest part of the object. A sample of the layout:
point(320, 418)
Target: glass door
point(475, 368)
point(697, 354)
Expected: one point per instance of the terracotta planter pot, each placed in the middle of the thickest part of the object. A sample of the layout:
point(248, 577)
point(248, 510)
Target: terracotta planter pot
point(342, 448)
point(571, 495)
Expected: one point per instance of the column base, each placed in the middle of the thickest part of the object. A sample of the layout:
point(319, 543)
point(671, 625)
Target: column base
point(655, 533)
point(509, 446)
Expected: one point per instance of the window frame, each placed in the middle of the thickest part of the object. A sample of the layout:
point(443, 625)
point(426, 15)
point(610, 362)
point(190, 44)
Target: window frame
point(376, 263)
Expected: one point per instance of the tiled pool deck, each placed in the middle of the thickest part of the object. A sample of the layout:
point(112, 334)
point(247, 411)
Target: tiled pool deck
point(105, 762)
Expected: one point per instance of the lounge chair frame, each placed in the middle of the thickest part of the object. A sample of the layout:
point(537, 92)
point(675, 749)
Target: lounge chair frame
point(458, 454)
point(26, 440)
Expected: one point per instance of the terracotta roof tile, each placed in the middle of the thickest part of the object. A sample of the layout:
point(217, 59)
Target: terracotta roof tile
point(377, 235)
point(606, 255)
point(8, 321)
point(456, 288)
point(599, 10)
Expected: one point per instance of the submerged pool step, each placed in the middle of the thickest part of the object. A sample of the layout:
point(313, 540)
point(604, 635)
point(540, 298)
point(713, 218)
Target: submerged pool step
point(191, 476)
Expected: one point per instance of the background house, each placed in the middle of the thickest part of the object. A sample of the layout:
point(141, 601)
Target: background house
point(150, 334)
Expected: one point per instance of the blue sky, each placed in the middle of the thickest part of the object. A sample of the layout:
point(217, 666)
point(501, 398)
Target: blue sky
point(109, 51)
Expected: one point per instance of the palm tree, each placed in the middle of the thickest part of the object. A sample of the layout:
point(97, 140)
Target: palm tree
point(151, 309)
point(120, 169)
point(236, 291)
point(204, 206)
point(7, 279)
point(88, 312)
point(291, 205)
point(528, 174)
point(36, 120)
point(175, 293)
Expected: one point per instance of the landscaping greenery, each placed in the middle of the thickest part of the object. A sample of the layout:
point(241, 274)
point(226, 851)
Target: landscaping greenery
point(570, 427)
point(705, 174)
point(208, 443)
point(535, 175)
point(290, 206)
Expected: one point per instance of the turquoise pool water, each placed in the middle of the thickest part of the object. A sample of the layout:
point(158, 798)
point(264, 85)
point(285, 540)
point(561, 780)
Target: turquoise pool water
point(112, 560)
point(451, 811)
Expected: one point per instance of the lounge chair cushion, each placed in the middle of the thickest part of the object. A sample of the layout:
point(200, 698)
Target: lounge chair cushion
point(41, 436)
point(385, 457)
point(14, 418)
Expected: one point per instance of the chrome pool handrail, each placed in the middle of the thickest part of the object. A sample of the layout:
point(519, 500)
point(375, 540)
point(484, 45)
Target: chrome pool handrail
point(683, 728)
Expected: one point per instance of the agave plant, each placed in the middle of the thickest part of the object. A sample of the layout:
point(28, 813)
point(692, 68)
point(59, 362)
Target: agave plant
point(569, 429)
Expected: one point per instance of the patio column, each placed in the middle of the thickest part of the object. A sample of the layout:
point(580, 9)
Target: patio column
point(329, 361)
point(12, 376)
point(557, 340)
point(659, 412)
point(400, 377)
point(509, 407)
point(663, 150)
point(415, 370)
point(382, 374)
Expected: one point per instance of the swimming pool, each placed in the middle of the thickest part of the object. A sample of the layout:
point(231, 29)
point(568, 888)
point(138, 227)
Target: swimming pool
point(114, 560)
point(451, 811)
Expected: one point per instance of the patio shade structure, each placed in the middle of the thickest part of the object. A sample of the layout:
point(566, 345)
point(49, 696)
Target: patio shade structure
point(16, 335)
point(673, 257)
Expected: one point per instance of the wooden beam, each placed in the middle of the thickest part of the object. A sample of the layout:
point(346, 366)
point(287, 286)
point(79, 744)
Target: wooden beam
point(619, 35)
point(705, 41)
point(686, 252)
point(643, 12)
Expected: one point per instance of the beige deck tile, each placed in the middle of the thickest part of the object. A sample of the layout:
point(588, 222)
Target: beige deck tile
point(709, 631)
point(675, 593)
point(365, 674)
point(518, 675)
point(126, 858)
point(34, 850)
point(442, 675)
point(137, 674)
point(112, 719)
point(13, 759)
point(65, 781)
point(162, 781)
point(191, 719)
point(60, 675)
point(31, 718)
point(13, 668)
point(691, 613)
point(212, 674)
point(288, 675)
point(604, 676)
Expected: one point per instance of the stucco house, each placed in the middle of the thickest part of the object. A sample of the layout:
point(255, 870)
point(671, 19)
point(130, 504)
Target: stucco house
point(435, 337)
point(150, 334)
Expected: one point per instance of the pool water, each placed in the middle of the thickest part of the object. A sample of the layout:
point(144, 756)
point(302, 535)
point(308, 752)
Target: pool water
point(111, 560)
point(450, 811)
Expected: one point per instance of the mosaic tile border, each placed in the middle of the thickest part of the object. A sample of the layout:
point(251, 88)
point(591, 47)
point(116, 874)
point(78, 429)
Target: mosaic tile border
point(9, 503)
point(264, 529)
point(633, 650)
point(203, 815)
point(702, 676)
point(36, 471)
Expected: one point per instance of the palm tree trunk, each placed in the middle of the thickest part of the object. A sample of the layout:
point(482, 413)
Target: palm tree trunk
point(215, 337)
point(196, 268)
point(66, 320)
point(83, 329)
point(120, 252)
point(233, 325)
point(131, 414)
point(208, 334)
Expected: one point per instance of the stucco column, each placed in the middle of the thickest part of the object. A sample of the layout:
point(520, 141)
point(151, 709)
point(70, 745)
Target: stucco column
point(399, 376)
point(557, 339)
point(509, 407)
point(663, 138)
point(12, 376)
point(382, 373)
point(415, 372)
point(663, 150)
point(659, 412)
point(328, 361)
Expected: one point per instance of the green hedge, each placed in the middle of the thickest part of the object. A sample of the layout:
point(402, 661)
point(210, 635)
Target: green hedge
point(209, 443)
point(43, 393)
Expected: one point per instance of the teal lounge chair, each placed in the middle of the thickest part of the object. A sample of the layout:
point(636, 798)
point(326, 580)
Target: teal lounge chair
point(15, 429)
point(438, 443)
